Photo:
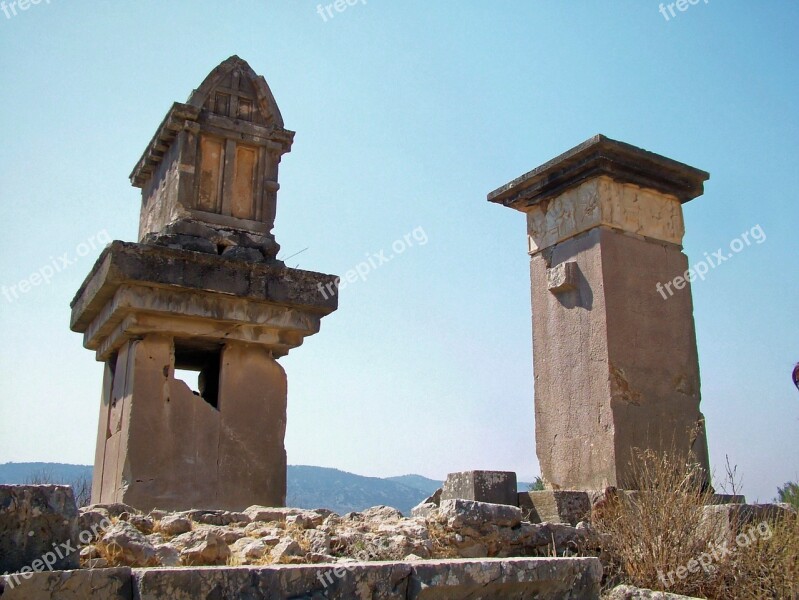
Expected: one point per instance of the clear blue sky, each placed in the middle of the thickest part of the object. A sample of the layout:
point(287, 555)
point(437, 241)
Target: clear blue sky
point(407, 114)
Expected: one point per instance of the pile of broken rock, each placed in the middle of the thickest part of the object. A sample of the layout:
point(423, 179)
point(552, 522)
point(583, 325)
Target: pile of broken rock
point(261, 535)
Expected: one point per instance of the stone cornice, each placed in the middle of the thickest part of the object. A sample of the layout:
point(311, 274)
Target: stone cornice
point(599, 156)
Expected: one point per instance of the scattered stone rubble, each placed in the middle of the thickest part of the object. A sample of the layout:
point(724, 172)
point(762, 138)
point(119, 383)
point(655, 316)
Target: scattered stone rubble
point(262, 536)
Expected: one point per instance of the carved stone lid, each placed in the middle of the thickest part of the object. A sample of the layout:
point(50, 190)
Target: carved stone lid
point(597, 156)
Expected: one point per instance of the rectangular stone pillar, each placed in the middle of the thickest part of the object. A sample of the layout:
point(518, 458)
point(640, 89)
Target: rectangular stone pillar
point(252, 402)
point(615, 358)
point(162, 441)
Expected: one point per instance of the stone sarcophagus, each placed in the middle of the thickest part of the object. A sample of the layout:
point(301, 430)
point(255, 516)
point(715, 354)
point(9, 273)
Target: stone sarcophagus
point(202, 291)
point(211, 170)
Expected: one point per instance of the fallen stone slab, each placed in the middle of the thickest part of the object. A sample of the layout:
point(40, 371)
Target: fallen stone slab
point(627, 592)
point(97, 584)
point(467, 513)
point(38, 528)
point(485, 579)
point(269, 514)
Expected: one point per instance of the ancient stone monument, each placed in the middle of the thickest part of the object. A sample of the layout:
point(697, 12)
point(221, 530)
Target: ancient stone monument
point(615, 359)
point(202, 290)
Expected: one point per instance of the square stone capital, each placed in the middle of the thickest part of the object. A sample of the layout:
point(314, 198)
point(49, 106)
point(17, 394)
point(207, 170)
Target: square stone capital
point(601, 201)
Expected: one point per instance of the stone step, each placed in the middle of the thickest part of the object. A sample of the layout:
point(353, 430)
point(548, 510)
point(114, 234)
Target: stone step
point(480, 579)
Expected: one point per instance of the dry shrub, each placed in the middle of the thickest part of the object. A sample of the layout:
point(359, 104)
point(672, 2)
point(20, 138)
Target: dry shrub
point(82, 489)
point(658, 538)
point(658, 529)
point(766, 568)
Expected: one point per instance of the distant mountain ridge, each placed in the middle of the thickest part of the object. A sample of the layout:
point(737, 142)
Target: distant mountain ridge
point(308, 487)
point(342, 492)
point(36, 471)
point(423, 484)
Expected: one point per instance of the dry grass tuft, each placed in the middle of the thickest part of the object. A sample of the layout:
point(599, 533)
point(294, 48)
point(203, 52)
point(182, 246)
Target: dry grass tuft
point(658, 538)
point(656, 530)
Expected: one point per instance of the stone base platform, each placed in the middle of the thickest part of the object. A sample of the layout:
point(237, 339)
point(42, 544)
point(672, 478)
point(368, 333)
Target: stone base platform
point(570, 507)
point(483, 579)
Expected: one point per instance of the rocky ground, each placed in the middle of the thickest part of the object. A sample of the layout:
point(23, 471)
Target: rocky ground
point(261, 535)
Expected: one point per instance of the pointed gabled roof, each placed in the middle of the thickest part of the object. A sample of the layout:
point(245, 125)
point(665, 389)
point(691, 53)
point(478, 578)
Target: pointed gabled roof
point(249, 82)
point(232, 91)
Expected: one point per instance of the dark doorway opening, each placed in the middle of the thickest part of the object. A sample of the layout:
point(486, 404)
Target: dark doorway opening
point(198, 366)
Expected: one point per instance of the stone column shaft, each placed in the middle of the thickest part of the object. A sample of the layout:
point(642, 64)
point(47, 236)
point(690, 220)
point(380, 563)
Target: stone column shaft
point(615, 360)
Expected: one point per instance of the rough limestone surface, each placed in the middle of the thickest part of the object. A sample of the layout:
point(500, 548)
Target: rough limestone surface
point(626, 592)
point(496, 487)
point(487, 579)
point(264, 513)
point(124, 544)
point(484, 579)
point(462, 549)
point(175, 524)
point(32, 519)
point(468, 513)
point(97, 584)
point(262, 535)
point(555, 506)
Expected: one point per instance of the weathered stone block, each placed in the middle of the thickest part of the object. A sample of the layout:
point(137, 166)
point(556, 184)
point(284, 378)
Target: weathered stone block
point(502, 579)
point(468, 513)
point(281, 514)
point(177, 450)
point(366, 581)
point(726, 521)
point(556, 506)
point(562, 277)
point(97, 584)
point(32, 519)
point(495, 487)
point(626, 592)
point(486, 579)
